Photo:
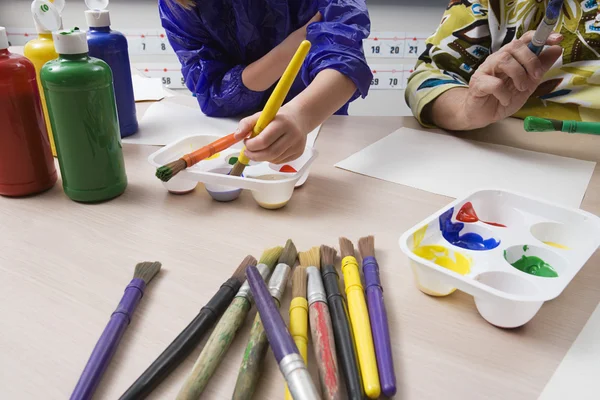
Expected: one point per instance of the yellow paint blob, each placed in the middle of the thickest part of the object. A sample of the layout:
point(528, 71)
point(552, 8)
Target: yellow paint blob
point(272, 206)
point(419, 235)
point(216, 155)
point(557, 245)
point(442, 257)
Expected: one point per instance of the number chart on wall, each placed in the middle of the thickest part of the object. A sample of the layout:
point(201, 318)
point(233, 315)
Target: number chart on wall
point(170, 74)
point(390, 76)
point(395, 44)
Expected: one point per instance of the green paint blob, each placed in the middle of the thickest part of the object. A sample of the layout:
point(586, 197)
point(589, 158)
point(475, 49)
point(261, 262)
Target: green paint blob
point(535, 266)
point(232, 160)
point(525, 248)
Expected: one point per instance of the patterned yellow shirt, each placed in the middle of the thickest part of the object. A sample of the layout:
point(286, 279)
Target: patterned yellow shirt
point(470, 30)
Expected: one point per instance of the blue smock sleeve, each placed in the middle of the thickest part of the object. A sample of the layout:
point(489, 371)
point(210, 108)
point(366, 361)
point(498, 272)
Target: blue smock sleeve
point(337, 43)
point(216, 83)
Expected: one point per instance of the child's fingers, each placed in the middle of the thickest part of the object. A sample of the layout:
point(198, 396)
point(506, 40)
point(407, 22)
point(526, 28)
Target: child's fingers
point(245, 126)
point(270, 135)
point(271, 153)
point(290, 155)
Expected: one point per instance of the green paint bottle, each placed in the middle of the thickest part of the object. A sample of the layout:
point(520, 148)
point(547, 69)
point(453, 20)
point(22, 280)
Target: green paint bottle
point(82, 109)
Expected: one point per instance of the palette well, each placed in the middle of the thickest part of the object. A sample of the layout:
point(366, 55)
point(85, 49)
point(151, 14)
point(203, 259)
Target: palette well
point(510, 251)
point(272, 185)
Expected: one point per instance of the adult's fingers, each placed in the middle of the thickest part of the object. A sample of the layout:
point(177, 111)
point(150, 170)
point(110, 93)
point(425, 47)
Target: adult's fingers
point(484, 85)
point(270, 135)
point(507, 64)
point(549, 56)
point(529, 61)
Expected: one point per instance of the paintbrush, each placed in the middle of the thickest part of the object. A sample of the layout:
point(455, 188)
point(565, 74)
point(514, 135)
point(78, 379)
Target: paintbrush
point(110, 338)
point(535, 124)
point(166, 172)
point(299, 316)
point(291, 365)
point(378, 316)
point(546, 27)
point(221, 337)
point(320, 325)
point(189, 338)
point(359, 320)
point(252, 363)
point(342, 331)
point(275, 101)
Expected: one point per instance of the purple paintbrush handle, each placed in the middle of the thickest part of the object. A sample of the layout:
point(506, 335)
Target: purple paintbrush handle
point(379, 326)
point(109, 341)
point(279, 337)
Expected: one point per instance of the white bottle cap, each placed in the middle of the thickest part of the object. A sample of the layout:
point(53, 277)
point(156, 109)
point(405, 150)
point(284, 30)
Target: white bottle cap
point(3, 39)
point(46, 16)
point(96, 4)
point(97, 18)
point(70, 41)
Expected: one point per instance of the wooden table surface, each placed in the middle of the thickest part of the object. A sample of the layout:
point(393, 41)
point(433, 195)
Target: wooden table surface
point(64, 267)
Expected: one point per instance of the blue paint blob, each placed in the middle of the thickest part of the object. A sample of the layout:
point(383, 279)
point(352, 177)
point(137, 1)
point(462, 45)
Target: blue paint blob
point(470, 240)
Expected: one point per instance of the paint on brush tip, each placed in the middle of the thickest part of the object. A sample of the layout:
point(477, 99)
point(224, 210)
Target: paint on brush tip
point(470, 240)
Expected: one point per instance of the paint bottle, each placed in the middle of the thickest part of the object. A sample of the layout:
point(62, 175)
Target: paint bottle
point(81, 103)
point(41, 50)
point(26, 163)
point(111, 47)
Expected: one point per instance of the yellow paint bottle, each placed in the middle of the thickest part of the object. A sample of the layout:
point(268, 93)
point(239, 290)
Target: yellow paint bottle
point(39, 51)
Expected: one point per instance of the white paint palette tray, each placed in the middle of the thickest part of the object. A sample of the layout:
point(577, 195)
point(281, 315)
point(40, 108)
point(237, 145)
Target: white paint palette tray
point(509, 251)
point(270, 187)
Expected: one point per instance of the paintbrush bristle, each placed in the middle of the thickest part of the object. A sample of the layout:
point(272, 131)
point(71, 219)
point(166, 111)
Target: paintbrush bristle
point(240, 272)
point(166, 172)
point(270, 256)
point(146, 271)
point(366, 246)
point(328, 255)
point(238, 169)
point(289, 254)
point(346, 247)
point(299, 282)
point(311, 258)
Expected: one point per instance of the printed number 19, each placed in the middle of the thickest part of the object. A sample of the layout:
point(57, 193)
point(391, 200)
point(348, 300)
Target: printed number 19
point(375, 49)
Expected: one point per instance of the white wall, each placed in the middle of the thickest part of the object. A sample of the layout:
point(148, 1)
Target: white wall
point(386, 15)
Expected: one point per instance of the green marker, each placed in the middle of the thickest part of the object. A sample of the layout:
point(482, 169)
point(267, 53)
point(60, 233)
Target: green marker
point(535, 124)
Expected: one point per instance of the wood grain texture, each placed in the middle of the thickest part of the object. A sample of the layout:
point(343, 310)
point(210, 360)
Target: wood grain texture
point(324, 350)
point(62, 264)
point(215, 349)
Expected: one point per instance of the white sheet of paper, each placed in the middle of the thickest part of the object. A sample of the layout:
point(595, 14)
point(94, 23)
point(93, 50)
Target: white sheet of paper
point(451, 166)
point(147, 89)
point(166, 122)
point(577, 375)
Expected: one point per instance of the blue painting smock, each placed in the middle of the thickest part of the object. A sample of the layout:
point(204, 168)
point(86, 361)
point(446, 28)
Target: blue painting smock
point(216, 39)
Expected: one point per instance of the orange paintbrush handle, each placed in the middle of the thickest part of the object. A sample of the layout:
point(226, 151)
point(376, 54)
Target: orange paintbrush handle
point(209, 150)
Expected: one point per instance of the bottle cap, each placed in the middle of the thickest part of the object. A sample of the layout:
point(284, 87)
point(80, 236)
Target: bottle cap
point(46, 16)
point(3, 39)
point(71, 41)
point(96, 4)
point(58, 4)
point(97, 18)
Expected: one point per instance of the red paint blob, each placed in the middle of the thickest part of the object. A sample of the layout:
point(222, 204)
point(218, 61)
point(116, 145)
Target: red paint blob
point(467, 214)
point(288, 168)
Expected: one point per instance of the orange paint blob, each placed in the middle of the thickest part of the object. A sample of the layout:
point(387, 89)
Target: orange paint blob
point(288, 169)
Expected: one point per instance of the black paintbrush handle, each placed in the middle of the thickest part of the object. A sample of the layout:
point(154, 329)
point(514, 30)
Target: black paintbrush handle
point(344, 342)
point(184, 344)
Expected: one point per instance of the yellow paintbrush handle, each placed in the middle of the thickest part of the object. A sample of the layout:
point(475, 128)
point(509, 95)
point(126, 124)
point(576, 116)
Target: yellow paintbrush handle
point(299, 330)
point(361, 327)
point(278, 96)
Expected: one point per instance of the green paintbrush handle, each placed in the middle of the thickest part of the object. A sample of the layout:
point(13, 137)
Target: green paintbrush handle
point(214, 351)
point(251, 367)
point(591, 128)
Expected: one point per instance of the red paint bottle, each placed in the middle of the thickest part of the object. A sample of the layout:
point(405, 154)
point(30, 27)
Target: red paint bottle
point(26, 163)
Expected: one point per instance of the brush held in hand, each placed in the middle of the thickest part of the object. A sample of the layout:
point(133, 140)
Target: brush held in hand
point(189, 338)
point(292, 367)
point(342, 331)
point(110, 338)
point(168, 171)
point(378, 316)
point(546, 27)
point(275, 101)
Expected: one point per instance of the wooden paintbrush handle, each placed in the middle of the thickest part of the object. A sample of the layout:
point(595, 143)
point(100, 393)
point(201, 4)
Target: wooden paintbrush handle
point(214, 351)
point(252, 363)
point(324, 346)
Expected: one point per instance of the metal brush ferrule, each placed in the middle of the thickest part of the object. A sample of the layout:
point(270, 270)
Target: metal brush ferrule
point(298, 378)
point(245, 289)
point(315, 291)
point(279, 280)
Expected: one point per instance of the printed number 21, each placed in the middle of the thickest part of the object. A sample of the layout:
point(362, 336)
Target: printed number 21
point(413, 49)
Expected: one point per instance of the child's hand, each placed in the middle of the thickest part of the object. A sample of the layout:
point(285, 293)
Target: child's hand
point(282, 141)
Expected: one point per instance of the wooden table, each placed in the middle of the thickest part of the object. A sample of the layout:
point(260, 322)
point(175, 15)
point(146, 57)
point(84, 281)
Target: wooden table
point(64, 266)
